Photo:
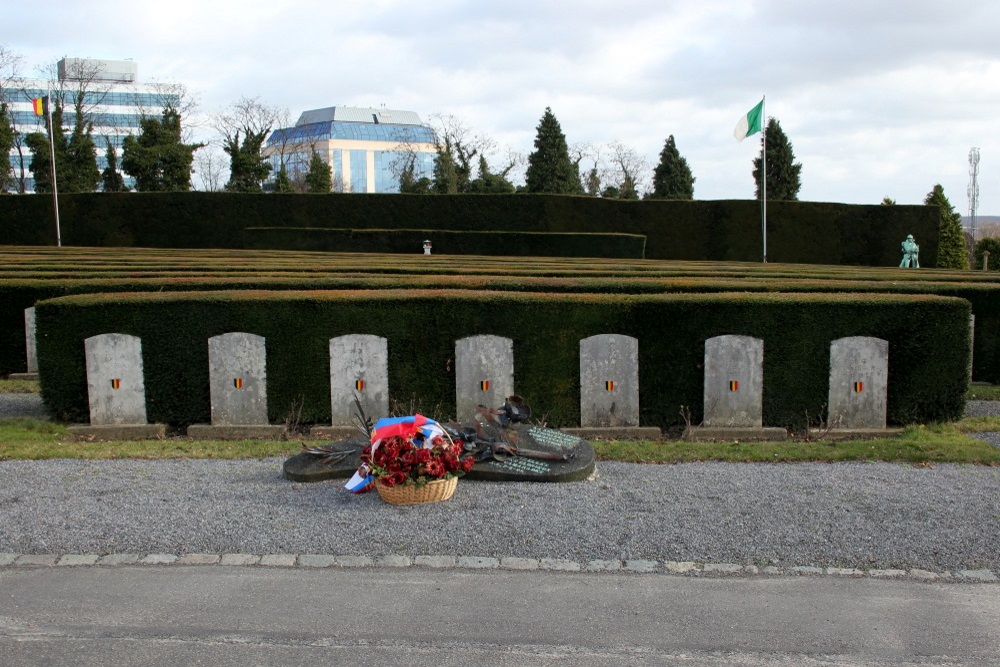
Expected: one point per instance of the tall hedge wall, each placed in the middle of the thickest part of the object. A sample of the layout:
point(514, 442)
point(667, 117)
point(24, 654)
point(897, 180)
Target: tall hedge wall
point(928, 373)
point(447, 242)
point(799, 232)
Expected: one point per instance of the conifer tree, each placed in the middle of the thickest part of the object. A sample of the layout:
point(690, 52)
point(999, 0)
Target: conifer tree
point(319, 178)
point(672, 177)
point(7, 137)
point(951, 239)
point(157, 158)
point(283, 184)
point(783, 173)
point(550, 168)
point(110, 178)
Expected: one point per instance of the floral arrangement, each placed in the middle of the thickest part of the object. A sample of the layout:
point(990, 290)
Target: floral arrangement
point(411, 450)
point(399, 460)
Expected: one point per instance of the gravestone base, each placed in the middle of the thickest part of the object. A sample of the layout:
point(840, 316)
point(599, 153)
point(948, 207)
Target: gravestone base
point(615, 432)
point(23, 376)
point(854, 433)
point(237, 432)
point(335, 432)
point(700, 433)
point(118, 431)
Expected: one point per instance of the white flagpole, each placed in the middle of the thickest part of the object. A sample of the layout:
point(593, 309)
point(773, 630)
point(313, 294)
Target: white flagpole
point(763, 170)
point(52, 156)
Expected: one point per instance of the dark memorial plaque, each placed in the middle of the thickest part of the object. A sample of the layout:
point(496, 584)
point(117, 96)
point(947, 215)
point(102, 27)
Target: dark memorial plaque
point(578, 464)
point(344, 458)
point(342, 461)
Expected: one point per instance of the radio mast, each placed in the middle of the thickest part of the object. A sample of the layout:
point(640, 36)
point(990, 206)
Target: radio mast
point(973, 191)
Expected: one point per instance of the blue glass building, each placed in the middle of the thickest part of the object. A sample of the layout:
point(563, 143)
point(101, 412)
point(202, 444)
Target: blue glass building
point(366, 148)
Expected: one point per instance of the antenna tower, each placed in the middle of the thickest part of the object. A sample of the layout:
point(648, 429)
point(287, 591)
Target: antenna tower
point(973, 190)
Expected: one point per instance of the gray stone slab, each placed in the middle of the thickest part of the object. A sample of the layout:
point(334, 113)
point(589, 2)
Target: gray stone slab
point(29, 339)
point(159, 559)
point(722, 568)
point(359, 367)
point(600, 565)
point(7, 559)
point(44, 560)
point(859, 380)
point(394, 560)
point(734, 381)
point(434, 561)
point(609, 381)
point(237, 371)
point(118, 431)
point(317, 560)
point(199, 559)
point(844, 572)
point(639, 565)
point(976, 575)
point(278, 560)
point(484, 373)
point(558, 564)
point(478, 562)
point(239, 559)
point(806, 569)
point(887, 574)
point(354, 561)
point(23, 376)
point(515, 563)
point(115, 385)
point(118, 559)
point(246, 432)
point(680, 567)
point(74, 560)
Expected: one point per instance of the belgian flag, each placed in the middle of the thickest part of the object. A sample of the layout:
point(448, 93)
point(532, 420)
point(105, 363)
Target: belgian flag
point(41, 106)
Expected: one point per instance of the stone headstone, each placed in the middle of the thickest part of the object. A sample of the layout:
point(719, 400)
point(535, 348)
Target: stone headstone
point(734, 381)
point(484, 373)
point(237, 379)
point(859, 379)
point(29, 339)
point(115, 386)
point(359, 367)
point(609, 381)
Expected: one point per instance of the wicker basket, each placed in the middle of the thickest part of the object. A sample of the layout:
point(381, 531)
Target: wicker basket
point(410, 494)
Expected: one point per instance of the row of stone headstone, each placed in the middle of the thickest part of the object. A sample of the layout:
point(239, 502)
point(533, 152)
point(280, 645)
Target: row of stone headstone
point(484, 375)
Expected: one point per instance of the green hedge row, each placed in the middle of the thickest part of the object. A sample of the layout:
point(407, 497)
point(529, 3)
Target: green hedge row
point(447, 242)
point(799, 232)
point(928, 373)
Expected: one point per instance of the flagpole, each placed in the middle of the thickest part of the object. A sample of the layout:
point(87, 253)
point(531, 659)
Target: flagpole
point(763, 169)
point(52, 157)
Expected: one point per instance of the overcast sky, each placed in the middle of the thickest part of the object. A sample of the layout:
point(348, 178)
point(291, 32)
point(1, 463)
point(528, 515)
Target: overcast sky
point(878, 97)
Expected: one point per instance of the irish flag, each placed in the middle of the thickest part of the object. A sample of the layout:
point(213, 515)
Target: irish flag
point(749, 123)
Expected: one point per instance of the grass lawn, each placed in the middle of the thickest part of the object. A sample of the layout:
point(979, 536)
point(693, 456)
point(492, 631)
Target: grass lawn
point(922, 445)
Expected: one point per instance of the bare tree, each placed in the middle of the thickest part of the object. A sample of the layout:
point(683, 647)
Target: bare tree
point(10, 139)
point(626, 171)
point(243, 128)
point(209, 167)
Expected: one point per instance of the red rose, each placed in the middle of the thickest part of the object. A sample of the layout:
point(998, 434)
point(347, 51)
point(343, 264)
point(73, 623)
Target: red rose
point(467, 463)
point(435, 469)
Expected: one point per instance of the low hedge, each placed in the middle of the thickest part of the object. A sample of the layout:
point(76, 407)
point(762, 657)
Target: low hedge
point(448, 242)
point(928, 373)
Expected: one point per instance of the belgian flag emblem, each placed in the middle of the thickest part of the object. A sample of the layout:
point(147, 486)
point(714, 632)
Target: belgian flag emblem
point(859, 387)
point(359, 385)
point(238, 383)
point(734, 385)
point(610, 385)
point(484, 385)
point(116, 383)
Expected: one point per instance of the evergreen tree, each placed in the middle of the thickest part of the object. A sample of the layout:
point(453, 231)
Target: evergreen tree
point(672, 177)
point(490, 183)
point(41, 160)
point(247, 168)
point(446, 179)
point(283, 184)
point(111, 179)
point(7, 137)
point(408, 181)
point(319, 178)
point(158, 159)
point(82, 173)
point(550, 168)
point(593, 182)
point(951, 239)
point(888, 201)
point(783, 173)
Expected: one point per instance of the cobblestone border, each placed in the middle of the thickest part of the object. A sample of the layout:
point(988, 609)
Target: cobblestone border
point(304, 561)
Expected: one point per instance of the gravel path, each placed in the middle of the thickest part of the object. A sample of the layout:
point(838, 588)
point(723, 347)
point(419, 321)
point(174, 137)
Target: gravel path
point(857, 515)
point(853, 515)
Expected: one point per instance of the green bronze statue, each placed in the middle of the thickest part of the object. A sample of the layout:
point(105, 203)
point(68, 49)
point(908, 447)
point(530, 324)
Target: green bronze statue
point(910, 252)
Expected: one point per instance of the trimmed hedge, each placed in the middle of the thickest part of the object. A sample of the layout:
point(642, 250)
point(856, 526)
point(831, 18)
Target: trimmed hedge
point(446, 242)
point(928, 373)
point(800, 232)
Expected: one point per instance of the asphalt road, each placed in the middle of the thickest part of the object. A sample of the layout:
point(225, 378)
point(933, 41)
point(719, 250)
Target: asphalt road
point(262, 616)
